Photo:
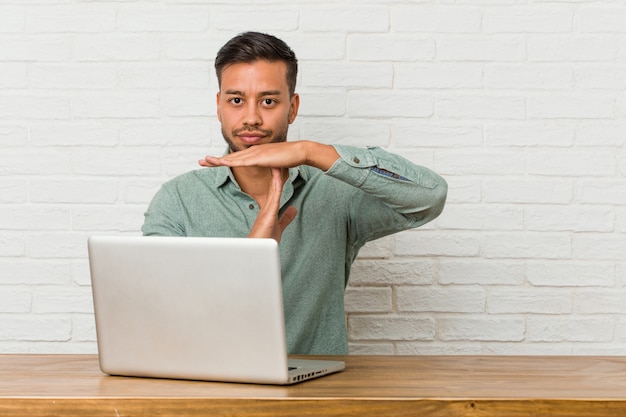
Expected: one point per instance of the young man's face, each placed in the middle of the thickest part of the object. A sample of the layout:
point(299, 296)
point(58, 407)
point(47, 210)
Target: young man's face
point(254, 105)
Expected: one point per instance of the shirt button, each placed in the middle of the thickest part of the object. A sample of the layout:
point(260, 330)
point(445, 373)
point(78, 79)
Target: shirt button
point(356, 160)
point(251, 206)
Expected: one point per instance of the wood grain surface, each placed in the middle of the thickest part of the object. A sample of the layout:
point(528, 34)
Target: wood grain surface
point(504, 386)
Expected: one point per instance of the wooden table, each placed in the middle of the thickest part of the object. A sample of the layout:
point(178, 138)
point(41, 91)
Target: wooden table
point(72, 385)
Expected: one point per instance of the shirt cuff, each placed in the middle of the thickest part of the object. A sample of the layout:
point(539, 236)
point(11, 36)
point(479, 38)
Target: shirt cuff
point(350, 158)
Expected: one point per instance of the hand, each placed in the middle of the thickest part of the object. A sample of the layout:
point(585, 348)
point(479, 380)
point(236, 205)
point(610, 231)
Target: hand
point(278, 155)
point(267, 223)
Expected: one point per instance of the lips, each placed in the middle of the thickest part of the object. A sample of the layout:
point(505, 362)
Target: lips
point(250, 138)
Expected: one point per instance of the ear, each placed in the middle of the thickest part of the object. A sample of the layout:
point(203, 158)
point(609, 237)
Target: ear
point(293, 107)
point(217, 102)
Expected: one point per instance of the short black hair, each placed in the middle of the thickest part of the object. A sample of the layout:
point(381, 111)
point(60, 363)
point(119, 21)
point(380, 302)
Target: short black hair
point(248, 47)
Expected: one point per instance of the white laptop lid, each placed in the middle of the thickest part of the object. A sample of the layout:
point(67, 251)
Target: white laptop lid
point(191, 308)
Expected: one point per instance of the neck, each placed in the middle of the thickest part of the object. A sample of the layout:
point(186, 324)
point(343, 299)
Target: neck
point(253, 181)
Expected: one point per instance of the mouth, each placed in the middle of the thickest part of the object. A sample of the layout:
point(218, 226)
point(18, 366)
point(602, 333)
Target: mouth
point(251, 138)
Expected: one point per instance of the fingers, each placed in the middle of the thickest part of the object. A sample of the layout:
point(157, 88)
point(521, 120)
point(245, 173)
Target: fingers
point(287, 218)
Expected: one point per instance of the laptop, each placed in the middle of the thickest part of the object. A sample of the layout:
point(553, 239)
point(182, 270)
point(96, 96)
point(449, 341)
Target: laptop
point(193, 308)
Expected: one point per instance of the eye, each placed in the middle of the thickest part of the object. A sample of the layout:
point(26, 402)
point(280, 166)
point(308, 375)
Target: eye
point(267, 102)
point(236, 100)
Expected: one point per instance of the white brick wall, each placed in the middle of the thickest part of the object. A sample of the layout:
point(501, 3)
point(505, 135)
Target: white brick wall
point(520, 104)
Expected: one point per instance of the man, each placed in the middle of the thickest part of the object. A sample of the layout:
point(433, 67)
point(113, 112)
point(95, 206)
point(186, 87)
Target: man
point(321, 202)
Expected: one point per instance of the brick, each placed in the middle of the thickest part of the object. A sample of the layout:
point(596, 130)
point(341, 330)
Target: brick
point(483, 162)
point(63, 76)
point(574, 163)
point(345, 131)
point(427, 243)
point(12, 190)
point(572, 218)
point(34, 162)
point(377, 249)
point(74, 133)
point(322, 103)
point(125, 161)
point(13, 135)
point(606, 301)
point(528, 133)
point(116, 47)
point(191, 47)
point(58, 245)
point(74, 18)
point(139, 18)
point(176, 133)
point(151, 76)
point(262, 19)
point(31, 217)
point(480, 272)
point(481, 48)
point(425, 18)
point(139, 191)
point(83, 328)
point(481, 217)
point(108, 218)
point(440, 299)
point(572, 48)
point(12, 244)
point(571, 107)
point(528, 77)
point(371, 348)
point(62, 300)
point(386, 47)
point(33, 272)
point(574, 329)
point(564, 273)
point(463, 190)
point(528, 19)
point(116, 105)
point(609, 133)
point(368, 300)
point(35, 48)
point(609, 77)
point(31, 106)
point(464, 106)
point(527, 245)
point(15, 299)
point(436, 348)
point(383, 327)
point(438, 75)
point(35, 328)
point(82, 191)
point(321, 47)
point(481, 329)
point(337, 74)
point(13, 75)
point(533, 301)
point(190, 103)
point(598, 246)
point(392, 272)
point(620, 219)
point(355, 18)
point(11, 19)
point(389, 104)
point(541, 191)
point(602, 19)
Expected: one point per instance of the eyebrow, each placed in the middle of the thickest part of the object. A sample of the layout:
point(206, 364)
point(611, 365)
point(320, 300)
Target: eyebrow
point(261, 94)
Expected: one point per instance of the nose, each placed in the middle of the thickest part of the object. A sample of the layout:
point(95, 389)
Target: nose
point(252, 115)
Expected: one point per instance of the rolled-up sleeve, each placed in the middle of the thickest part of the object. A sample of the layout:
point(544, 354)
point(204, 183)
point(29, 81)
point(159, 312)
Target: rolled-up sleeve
point(412, 190)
